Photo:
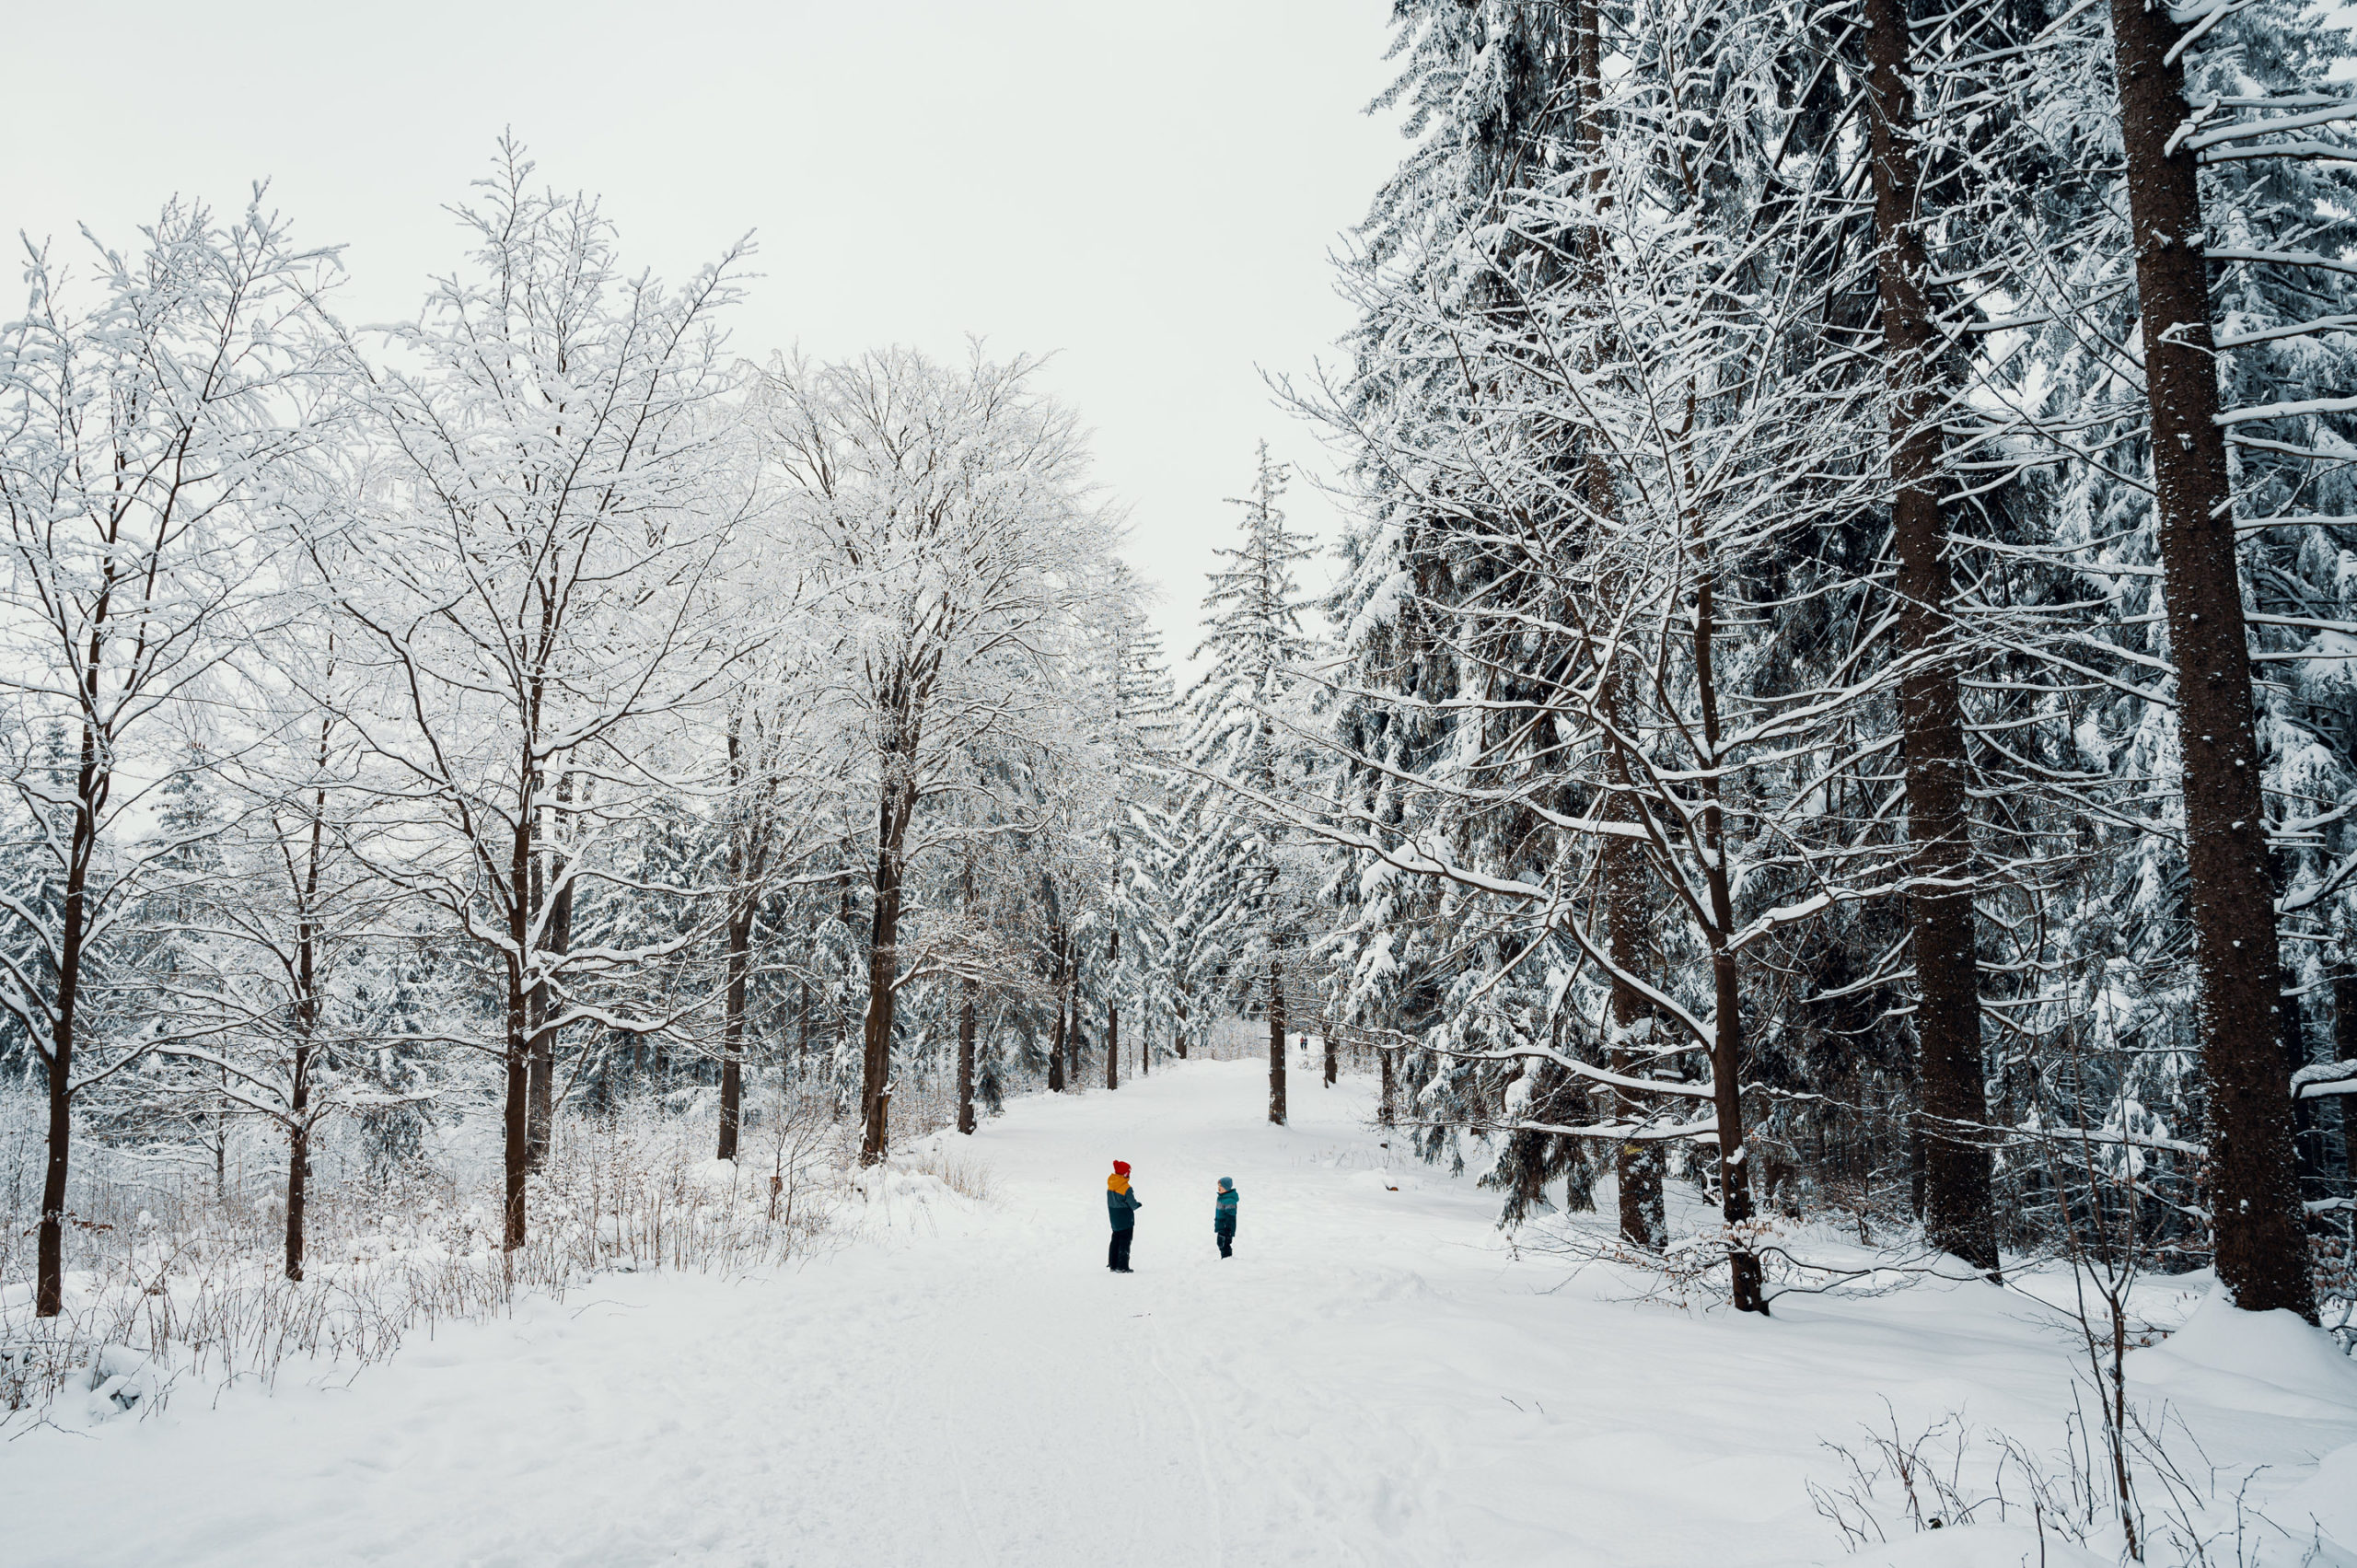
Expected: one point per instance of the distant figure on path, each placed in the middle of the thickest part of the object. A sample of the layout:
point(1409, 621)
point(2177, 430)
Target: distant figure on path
point(1224, 1216)
point(1122, 1207)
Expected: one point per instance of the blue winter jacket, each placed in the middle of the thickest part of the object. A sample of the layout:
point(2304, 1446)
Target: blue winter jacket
point(1121, 1203)
point(1224, 1212)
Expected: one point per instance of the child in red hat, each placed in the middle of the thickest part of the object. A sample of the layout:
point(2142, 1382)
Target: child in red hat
point(1122, 1207)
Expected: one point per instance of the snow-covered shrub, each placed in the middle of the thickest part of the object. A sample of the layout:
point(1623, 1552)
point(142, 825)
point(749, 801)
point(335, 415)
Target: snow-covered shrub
point(171, 1281)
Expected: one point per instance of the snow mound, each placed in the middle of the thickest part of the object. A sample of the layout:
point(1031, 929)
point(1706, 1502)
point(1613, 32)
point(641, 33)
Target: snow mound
point(116, 1382)
point(2327, 1500)
point(2267, 1362)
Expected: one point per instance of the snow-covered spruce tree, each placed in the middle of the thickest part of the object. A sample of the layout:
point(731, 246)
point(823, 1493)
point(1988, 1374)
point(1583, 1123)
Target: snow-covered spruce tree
point(1958, 1209)
point(1247, 877)
point(1132, 722)
point(2262, 1251)
point(2091, 388)
point(1645, 460)
point(1503, 97)
point(552, 481)
point(947, 512)
point(142, 414)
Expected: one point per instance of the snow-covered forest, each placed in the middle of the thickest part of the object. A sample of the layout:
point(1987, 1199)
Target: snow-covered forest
point(1802, 831)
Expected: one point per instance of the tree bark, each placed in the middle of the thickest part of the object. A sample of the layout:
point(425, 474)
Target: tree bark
point(298, 1164)
point(516, 1121)
point(882, 972)
point(966, 1058)
point(49, 1287)
point(1744, 1278)
point(1056, 1037)
point(732, 1026)
point(1959, 1215)
point(2261, 1249)
point(307, 1023)
point(1276, 1043)
point(1384, 1114)
point(1333, 1068)
point(1112, 1013)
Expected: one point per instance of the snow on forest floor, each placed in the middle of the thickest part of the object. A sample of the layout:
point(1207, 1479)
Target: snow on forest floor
point(1374, 1378)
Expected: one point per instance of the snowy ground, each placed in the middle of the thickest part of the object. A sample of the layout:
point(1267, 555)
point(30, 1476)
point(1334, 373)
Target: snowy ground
point(1373, 1380)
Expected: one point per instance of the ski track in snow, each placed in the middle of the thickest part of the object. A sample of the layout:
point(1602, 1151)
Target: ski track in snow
point(1371, 1380)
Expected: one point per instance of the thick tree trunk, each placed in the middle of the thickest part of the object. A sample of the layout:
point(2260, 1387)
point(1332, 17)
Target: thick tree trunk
point(1276, 1043)
point(2261, 1248)
point(1959, 1215)
point(1637, 1165)
point(896, 803)
point(1179, 1033)
point(1333, 1067)
point(966, 1057)
point(875, 1102)
point(1384, 1114)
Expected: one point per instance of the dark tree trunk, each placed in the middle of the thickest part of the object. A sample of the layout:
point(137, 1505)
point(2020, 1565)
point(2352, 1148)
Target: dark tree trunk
point(1179, 1034)
point(557, 936)
point(1112, 1013)
point(516, 1121)
point(882, 970)
point(740, 956)
point(1726, 1033)
point(1637, 1165)
point(1056, 1036)
point(1333, 1068)
point(1384, 1114)
point(732, 1026)
point(966, 1057)
point(298, 1164)
point(307, 1023)
point(895, 804)
point(2261, 1247)
point(1276, 1043)
point(91, 784)
point(1959, 1215)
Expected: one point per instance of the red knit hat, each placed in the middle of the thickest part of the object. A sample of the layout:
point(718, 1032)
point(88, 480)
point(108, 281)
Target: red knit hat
point(1120, 1167)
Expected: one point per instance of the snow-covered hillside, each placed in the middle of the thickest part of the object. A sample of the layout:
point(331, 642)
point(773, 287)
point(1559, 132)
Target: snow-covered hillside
point(1374, 1378)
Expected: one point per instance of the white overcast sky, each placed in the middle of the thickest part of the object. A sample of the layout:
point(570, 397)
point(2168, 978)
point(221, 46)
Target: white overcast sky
point(1151, 192)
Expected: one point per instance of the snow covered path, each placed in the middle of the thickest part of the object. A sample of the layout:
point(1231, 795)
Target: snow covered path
point(1373, 1380)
